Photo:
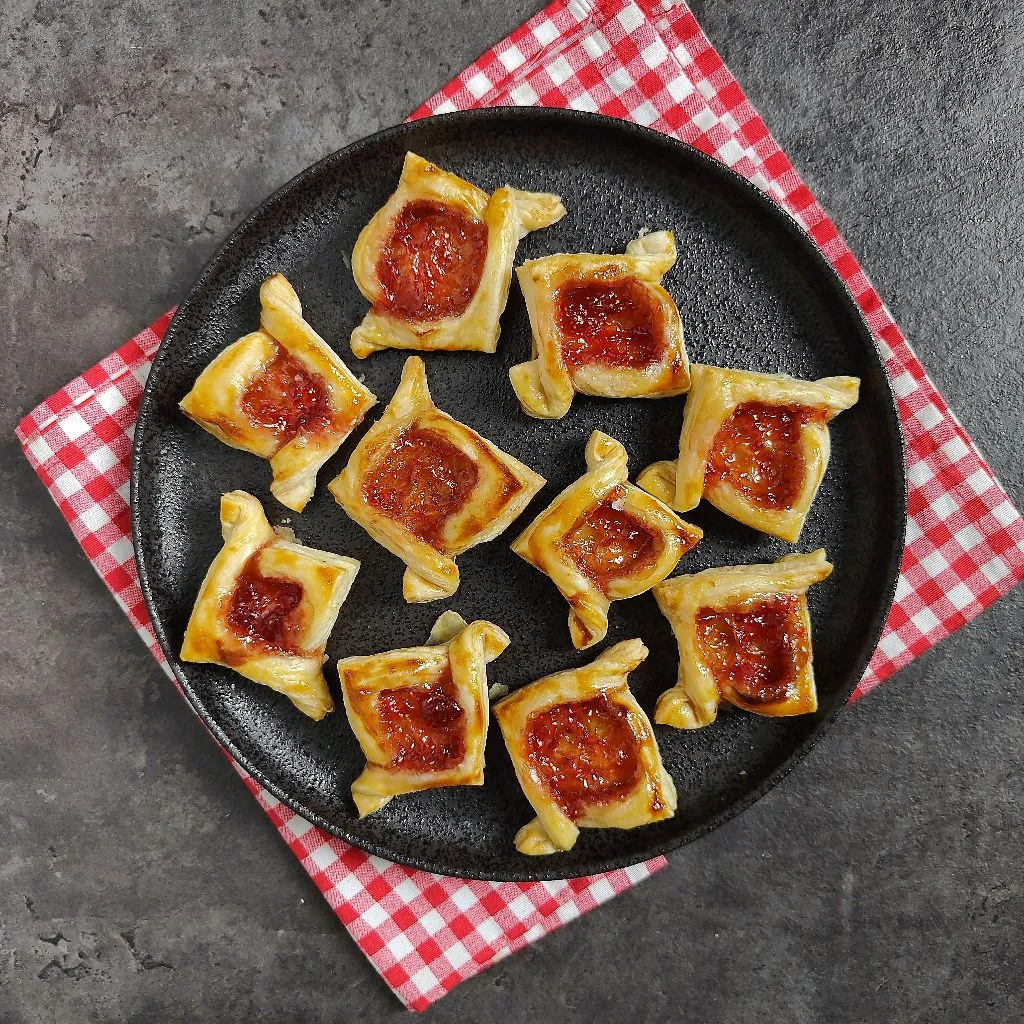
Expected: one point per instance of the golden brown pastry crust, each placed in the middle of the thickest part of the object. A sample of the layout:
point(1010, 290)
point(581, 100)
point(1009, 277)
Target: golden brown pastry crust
point(509, 215)
point(325, 579)
point(457, 650)
point(504, 487)
point(693, 702)
point(543, 542)
point(651, 798)
point(215, 401)
point(715, 394)
point(546, 385)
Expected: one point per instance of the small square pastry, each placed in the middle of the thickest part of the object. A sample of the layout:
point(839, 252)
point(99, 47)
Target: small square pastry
point(584, 752)
point(268, 605)
point(602, 325)
point(744, 635)
point(603, 540)
point(281, 393)
point(754, 444)
point(427, 487)
point(435, 262)
point(421, 714)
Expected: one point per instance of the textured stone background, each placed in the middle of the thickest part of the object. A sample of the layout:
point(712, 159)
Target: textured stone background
point(139, 882)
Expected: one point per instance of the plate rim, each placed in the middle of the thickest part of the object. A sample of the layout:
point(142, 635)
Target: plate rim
point(534, 868)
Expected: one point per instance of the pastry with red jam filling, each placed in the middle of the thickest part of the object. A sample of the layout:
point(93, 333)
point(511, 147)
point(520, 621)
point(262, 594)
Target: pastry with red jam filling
point(744, 635)
point(268, 605)
point(420, 714)
point(585, 753)
point(755, 445)
point(604, 540)
point(427, 487)
point(281, 393)
point(602, 325)
point(435, 262)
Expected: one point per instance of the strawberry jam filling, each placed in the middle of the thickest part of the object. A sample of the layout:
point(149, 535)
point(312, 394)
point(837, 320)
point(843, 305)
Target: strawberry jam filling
point(585, 753)
point(759, 651)
point(758, 452)
point(431, 264)
point(421, 481)
point(615, 323)
point(287, 397)
point(609, 543)
point(423, 726)
point(265, 609)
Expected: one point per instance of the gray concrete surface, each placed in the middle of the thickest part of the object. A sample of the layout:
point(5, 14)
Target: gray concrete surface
point(138, 881)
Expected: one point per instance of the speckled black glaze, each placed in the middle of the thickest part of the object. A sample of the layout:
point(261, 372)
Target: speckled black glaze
point(753, 292)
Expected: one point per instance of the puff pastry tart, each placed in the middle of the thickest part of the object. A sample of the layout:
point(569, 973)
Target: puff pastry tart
point(281, 393)
point(427, 487)
point(268, 605)
point(744, 636)
point(436, 260)
point(603, 540)
point(602, 325)
point(584, 752)
point(754, 444)
point(421, 714)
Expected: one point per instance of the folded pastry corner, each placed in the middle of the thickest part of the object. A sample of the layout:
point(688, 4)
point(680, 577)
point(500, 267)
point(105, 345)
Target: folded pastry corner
point(603, 540)
point(281, 393)
point(602, 325)
point(744, 636)
point(420, 714)
point(755, 445)
point(427, 487)
point(435, 261)
point(267, 607)
point(584, 752)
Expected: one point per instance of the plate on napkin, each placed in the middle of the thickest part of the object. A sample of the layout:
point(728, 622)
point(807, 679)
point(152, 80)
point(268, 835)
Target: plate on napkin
point(754, 293)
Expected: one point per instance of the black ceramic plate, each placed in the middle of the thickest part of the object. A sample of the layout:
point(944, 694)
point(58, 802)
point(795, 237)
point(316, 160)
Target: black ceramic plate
point(754, 293)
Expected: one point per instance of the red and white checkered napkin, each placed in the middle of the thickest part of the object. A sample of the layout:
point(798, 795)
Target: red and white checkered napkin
point(650, 63)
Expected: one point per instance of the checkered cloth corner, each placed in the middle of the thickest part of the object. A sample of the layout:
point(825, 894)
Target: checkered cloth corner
point(650, 63)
